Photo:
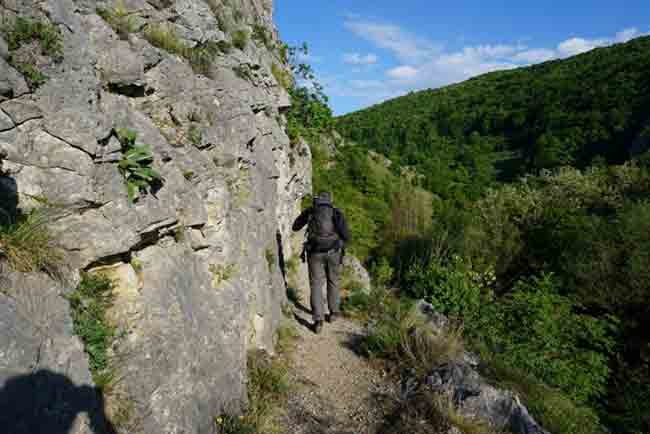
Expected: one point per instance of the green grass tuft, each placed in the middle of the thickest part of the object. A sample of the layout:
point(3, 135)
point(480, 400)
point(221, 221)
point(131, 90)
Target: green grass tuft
point(24, 31)
point(268, 388)
point(200, 57)
point(27, 244)
point(164, 37)
point(120, 19)
point(90, 302)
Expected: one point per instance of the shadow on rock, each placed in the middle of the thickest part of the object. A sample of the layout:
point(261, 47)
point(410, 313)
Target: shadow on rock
point(8, 197)
point(45, 402)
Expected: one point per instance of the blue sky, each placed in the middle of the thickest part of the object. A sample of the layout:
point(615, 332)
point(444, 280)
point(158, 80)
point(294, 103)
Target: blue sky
point(366, 51)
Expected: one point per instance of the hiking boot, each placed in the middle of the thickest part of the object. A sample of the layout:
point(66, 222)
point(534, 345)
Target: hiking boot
point(333, 317)
point(318, 327)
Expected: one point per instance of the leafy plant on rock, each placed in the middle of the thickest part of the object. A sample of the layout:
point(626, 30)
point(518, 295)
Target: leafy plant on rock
point(136, 165)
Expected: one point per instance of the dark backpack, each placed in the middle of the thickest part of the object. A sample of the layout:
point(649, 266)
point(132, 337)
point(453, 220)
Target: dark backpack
point(321, 231)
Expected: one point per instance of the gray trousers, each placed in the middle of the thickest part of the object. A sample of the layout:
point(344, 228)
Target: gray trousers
point(324, 268)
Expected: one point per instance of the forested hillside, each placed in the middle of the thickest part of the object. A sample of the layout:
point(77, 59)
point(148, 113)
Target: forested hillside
point(556, 113)
point(548, 270)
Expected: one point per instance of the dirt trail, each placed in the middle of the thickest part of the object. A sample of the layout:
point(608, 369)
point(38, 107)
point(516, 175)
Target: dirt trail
point(337, 391)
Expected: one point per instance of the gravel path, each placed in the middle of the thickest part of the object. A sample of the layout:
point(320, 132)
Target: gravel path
point(337, 391)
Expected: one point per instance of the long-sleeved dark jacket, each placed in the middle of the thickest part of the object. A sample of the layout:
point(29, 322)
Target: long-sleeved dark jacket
point(340, 223)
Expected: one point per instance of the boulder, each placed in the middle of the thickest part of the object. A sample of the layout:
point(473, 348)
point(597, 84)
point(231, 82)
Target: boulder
point(473, 396)
point(354, 271)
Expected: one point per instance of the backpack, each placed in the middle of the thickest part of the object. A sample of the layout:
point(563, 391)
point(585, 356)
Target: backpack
point(322, 235)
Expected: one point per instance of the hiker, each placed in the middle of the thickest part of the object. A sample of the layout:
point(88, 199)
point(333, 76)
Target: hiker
point(327, 235)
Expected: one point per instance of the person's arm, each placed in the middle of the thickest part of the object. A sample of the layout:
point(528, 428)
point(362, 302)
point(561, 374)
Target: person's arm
point(342, 226)
point(302, 220)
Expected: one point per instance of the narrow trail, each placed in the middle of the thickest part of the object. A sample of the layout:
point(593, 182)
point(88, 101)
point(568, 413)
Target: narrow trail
point(336, 390)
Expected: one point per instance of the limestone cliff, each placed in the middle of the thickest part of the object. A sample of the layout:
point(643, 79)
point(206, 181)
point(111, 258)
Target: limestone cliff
point(196, 260)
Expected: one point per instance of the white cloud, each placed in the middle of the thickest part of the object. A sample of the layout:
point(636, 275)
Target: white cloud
point(359, 59)
point(574, 46)
point(628, 34)
point(403, 44)
point(535, 55)
point(424, 64)
point(492, 51)
point(403, 72)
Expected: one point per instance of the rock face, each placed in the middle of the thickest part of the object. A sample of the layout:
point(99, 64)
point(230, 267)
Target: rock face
point(196, 261)
point(473, 396)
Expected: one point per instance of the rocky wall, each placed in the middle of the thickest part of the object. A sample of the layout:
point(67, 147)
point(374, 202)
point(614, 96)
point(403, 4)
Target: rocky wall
point(196, 260)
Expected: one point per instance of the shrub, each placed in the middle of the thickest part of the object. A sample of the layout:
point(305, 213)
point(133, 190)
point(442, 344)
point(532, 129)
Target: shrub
point(538, 330)
point(448, 287)
point(27, 244)
point(382, 272)
point(240, 39)
point(356, 304)
point(135, 165)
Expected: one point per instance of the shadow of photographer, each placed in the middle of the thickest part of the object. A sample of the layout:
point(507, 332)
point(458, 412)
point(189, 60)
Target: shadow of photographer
point(45, 402)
